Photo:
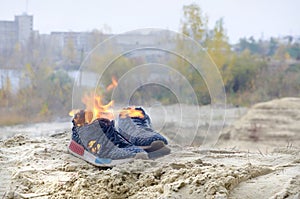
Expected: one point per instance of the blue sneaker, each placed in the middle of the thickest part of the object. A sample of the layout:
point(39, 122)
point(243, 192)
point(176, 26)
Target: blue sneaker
point(100, 144)
point(135, 125)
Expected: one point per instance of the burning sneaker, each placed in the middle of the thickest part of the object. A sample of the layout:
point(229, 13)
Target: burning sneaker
point(135, 125)
point(100, 144)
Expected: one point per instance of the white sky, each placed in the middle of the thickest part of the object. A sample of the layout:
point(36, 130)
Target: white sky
point(242, 17)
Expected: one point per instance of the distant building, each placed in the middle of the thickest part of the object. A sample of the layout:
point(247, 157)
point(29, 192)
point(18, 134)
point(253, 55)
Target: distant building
point(85, 41)
point(70, 48)
point(25, 27)
point(8, 35)
point(17, 31)
point(79, 40)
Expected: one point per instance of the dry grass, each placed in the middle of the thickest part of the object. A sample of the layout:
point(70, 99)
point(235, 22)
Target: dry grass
point(13, 118)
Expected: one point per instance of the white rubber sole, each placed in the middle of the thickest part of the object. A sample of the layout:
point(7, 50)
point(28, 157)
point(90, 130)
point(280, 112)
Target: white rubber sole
point(78, 151)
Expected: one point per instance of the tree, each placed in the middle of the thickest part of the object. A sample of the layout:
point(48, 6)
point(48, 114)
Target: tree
point(96, 37)
point(194, 24)
point(244, 71)
point(294, 51)
point(219, 49)
point(281, 53)
point(70, 53)
point(273, 45)
point(252, 45)
point(59, 92)
point(6, 92)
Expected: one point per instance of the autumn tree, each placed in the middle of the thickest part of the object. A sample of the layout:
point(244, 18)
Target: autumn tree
point(70, 54)
point(194, 23)
point(294, 51)
point(219, 49)
point(96, 37)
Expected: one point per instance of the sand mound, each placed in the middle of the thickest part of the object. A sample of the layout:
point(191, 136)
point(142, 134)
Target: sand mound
point(42, 168)
point(274, 120)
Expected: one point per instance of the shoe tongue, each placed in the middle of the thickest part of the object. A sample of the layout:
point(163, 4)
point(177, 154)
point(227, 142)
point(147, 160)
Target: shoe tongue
point(104, 123)
point(108, 128)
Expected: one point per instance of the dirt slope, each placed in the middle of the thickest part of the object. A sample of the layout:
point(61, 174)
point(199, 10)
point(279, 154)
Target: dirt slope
point(274, 120)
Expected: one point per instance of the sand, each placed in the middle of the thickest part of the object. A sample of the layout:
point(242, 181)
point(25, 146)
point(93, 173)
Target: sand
point(237, 167)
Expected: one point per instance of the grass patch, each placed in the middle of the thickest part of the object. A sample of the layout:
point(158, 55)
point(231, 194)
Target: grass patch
point(14, 118)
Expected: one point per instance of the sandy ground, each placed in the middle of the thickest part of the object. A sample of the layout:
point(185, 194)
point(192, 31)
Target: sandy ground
point(241, 165)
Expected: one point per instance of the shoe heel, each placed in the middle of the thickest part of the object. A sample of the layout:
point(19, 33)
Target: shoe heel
point(78, 151)
point(76, 148)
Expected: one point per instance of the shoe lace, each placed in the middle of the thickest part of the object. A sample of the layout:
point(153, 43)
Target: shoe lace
point(114, 136)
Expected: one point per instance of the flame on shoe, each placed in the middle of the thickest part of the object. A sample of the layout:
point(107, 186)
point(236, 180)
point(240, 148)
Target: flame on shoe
point(131, 112)
point(94, 108)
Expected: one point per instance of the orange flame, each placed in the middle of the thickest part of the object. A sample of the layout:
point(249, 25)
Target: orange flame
point(114, 84)
point(131, 112)
point(94, 109)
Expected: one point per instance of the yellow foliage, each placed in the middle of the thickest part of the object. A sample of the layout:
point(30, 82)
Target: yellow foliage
point(44, 110)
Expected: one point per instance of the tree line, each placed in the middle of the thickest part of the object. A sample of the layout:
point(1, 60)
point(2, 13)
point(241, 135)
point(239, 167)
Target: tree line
point(252, 71)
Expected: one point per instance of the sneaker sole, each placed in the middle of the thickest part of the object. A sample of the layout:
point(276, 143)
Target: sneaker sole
point(78, 151)
point(156, 149)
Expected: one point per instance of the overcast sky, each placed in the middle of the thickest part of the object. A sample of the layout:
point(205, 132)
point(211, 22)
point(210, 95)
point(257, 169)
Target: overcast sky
point(243, 18)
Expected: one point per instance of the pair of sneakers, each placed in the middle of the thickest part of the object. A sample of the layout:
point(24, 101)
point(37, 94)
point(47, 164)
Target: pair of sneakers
point(101, 144)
